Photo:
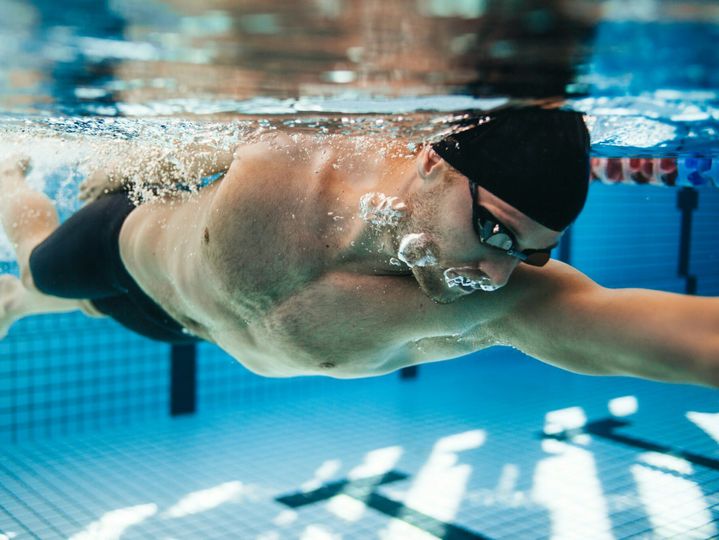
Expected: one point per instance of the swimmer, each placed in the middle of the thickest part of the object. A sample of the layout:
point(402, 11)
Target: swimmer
point(311, 256)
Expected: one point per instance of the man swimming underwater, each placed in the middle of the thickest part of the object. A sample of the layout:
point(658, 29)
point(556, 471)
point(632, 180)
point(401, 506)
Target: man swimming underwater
point(347, 257)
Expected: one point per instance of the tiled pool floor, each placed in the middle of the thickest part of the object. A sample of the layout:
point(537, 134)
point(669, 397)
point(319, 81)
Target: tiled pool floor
point(457, 453)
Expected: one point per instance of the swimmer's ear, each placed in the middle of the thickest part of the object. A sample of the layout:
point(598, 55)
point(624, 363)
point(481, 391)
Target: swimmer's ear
point(429, 163)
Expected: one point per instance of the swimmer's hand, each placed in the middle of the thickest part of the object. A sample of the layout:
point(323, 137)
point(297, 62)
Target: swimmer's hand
point(15, 163)
point(100, 183)
point(155, 169)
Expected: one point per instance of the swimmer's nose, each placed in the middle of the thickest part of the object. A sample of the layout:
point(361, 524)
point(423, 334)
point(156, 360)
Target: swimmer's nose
point(498, 269)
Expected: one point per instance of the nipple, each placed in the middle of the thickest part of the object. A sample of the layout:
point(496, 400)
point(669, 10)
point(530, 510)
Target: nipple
point(379, 209)
point(415, 250)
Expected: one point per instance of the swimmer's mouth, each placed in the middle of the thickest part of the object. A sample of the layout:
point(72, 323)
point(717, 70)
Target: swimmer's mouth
point(467, 288)
point(468, 285)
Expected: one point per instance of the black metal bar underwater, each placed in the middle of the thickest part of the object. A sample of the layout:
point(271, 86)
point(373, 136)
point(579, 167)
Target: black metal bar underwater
point(183, 379)
point(687, 202)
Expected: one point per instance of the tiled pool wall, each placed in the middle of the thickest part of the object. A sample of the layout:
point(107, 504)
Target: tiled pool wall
point(67, 374)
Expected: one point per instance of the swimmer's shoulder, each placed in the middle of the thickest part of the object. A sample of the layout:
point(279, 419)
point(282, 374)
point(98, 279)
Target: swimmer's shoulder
point(298, 147)
point(279, 146)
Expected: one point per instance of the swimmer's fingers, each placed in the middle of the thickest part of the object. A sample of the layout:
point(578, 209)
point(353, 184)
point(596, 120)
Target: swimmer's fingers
point(17, 163)
point(88, 189)
point(24, 163)
point(97, 184)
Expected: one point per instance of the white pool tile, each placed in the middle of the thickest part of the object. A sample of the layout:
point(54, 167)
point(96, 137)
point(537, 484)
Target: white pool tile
point(469, 437)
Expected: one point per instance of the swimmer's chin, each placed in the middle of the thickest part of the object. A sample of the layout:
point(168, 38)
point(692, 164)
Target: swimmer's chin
point(447, 298)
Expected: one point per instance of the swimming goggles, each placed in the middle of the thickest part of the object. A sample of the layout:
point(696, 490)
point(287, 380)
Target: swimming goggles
point(493, 233)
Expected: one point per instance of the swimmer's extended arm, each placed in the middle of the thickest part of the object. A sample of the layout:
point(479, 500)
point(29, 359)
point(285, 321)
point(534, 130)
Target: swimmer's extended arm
point(154, 166)
point(567, 320)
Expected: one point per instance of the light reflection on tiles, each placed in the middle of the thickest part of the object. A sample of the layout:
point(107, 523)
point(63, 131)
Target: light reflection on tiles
point(468, 436)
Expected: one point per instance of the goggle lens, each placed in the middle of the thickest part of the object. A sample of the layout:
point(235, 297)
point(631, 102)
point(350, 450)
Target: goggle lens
point(492, 233)
point(500, 241)
point(538, 258)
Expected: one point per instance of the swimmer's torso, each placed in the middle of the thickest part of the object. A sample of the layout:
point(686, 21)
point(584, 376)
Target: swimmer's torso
point(275, 265)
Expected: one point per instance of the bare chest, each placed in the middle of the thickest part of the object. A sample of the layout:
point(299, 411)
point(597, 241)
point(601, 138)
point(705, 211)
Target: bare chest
point(345, 325)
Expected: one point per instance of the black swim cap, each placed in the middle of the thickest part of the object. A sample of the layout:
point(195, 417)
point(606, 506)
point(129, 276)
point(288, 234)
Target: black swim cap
point(536, 160)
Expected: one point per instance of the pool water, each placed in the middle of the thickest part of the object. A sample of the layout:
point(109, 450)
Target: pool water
point(78, 80)
point(494, 446)
point(644, 70)
point(483, 451)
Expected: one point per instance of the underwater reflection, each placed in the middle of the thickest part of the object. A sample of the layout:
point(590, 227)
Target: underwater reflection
point(100, 53)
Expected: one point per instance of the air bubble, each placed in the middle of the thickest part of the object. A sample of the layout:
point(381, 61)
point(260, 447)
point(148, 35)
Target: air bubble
point(379, 209)
point(415, 250)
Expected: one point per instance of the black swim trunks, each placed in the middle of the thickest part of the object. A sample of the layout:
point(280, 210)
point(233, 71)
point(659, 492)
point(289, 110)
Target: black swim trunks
point(81, 260)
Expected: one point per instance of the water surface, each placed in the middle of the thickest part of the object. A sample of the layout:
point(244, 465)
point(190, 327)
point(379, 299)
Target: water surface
point(79, 78)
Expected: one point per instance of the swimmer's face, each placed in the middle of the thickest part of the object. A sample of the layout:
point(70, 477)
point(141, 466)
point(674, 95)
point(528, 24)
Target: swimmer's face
point(466, 263)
